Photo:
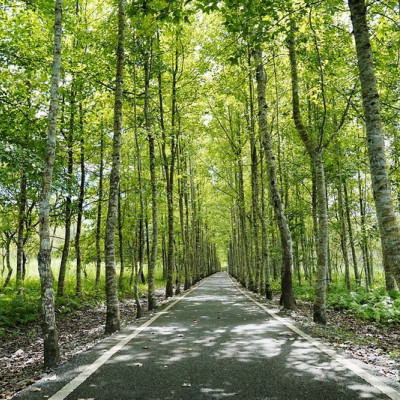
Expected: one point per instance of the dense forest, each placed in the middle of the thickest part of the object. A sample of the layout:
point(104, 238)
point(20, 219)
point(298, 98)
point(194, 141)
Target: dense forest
point(148, 144)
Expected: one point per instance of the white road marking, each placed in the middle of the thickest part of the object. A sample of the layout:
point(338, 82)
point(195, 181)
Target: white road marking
point(373, 380)
point(88, 371)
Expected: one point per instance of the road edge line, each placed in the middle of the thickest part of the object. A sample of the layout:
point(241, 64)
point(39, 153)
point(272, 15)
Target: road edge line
point(373, 380)
point(70, 387)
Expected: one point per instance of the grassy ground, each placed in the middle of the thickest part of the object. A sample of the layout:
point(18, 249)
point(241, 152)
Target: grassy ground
point(24, 308)
point(374, 304)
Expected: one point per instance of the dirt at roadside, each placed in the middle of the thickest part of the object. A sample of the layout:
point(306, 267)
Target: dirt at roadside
point(370, 342)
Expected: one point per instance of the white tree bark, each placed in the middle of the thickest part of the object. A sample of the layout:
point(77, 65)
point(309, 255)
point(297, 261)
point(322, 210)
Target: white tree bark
point(50, 334)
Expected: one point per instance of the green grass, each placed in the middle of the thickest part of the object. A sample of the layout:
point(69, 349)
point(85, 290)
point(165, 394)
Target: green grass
point(374, 304)
point(17, 309)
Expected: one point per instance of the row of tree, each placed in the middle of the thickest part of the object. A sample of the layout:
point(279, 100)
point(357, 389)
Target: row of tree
point(321, 104)
point(110, 175)
point(191, 130)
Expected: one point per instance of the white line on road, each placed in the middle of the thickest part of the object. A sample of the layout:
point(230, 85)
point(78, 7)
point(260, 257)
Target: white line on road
point(373, 380)
point(89, 370)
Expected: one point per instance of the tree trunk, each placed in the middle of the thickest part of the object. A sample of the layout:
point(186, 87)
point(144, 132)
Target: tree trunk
point(68, 200)
point(315, 153)
point(351, 236)
point(80, 211)
point(364, 239)
point(265, 239)
point(322, 242)
point(153, 180)
point(99, 210)
point(244, 240)
point(388, 223)
point(343, 237)
point(21, 223)
point(112, 320)
point(50, 334)
point(286, 237)
point(120, 242)
point(141, 232)
point(8, 259)
point(169, 171)
point(254, 188)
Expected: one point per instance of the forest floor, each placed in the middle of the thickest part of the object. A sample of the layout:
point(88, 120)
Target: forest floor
point(21, 350)
point(375, 344)
point(21, 356)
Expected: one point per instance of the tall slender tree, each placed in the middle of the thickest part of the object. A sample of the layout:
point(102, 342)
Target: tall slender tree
point(113, 319)
point(50, 333)
point(280, 216)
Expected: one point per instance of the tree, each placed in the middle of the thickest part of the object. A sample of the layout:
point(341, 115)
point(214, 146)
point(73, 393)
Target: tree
point(50, 333)
point(112, 321)
point(286, 238)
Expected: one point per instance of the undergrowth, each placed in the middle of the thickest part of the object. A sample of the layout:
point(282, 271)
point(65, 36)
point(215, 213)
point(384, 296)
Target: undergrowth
point(373, 305)
point(19, 308)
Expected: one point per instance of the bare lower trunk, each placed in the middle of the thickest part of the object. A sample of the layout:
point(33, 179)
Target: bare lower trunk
point(343, 238)
point(8, 261)
point(388, 223)
point(112, 320)
point(50, 334)
point(351, 235)
point(21, 222)
point(280, 216)
point(138, 271)
point(121, 243)
point(99, 210)
point(254, 189)
point(152, 255)
point(322, 242)
point(169, 164)
point(265, 238)
point(68, 201)
point(80, 215)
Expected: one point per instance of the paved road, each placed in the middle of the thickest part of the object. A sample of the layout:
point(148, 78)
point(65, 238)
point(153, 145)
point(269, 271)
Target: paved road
point(213, 344)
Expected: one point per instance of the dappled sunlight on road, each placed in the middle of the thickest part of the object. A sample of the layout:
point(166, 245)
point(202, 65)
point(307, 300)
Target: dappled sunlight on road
point(217, 344)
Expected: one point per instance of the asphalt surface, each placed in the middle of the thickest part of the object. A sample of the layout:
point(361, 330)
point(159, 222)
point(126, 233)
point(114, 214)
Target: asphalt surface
point(213, 344)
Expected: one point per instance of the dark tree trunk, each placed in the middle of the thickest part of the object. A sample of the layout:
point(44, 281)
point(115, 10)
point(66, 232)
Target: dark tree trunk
point(8, 259)
point(351, 235)
point(80, 211)
point(99, 210)
point(120, 242)
point(21, 224)
point(68, 200)
point(153, 180)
